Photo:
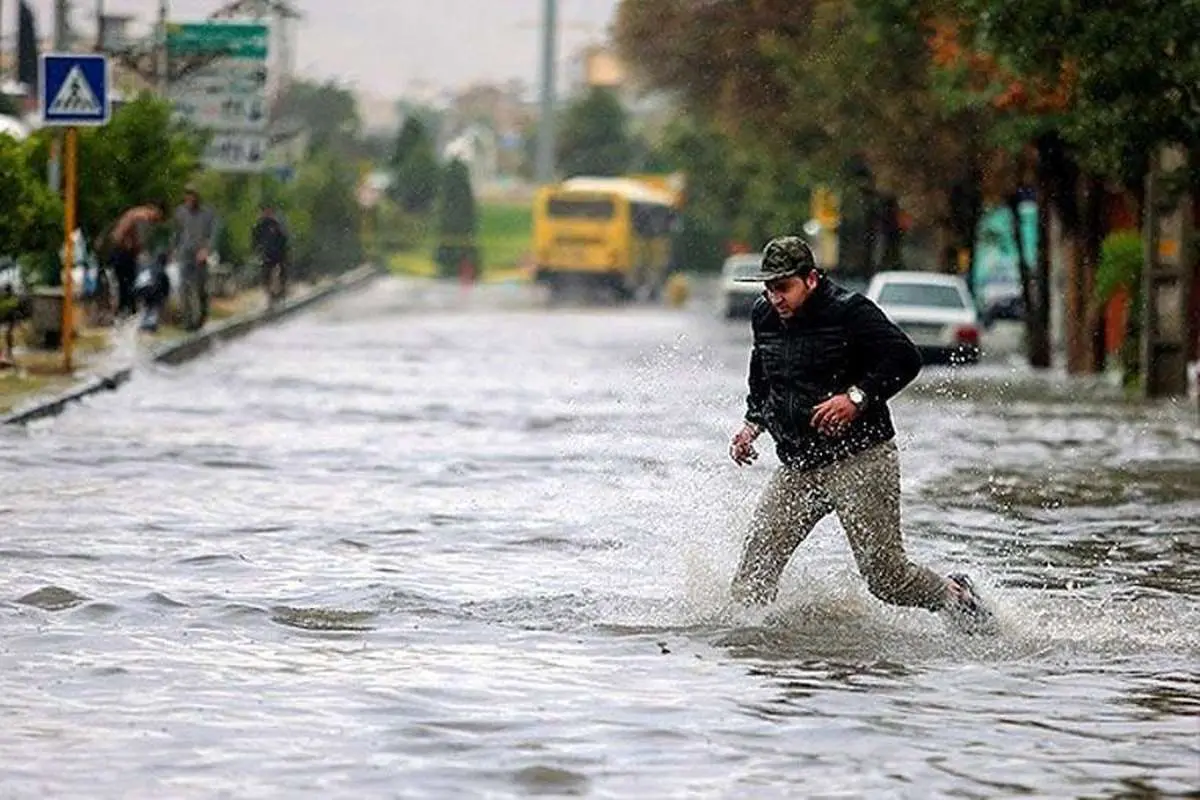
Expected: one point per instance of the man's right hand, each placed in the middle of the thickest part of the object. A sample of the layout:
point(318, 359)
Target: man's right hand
point(741, 448)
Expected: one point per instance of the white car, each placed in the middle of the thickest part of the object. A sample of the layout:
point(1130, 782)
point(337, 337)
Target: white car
point(935, 310)
point(737, 297)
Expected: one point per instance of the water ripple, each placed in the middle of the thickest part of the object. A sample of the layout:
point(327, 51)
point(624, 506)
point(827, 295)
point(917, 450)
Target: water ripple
point(372, 548)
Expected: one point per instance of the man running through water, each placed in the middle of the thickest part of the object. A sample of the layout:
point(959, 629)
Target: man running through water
point(824, 363)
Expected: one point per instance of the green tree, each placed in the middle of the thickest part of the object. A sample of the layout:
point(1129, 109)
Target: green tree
point(457, 220)
point(1093, 92)
point(328, 112)
point(415, 168)
point(835, 91)
point(595, 138)
point(324, 216)
point(138, 157)
point(1132, 73)
point(31, 226)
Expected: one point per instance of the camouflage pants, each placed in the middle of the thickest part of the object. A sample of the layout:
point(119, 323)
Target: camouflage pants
point(864, 491)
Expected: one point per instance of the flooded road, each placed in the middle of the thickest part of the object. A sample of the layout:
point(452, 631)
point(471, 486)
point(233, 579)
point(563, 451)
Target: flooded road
point(410, 546)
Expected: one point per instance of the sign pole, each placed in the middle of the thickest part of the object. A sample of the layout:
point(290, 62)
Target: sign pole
point(68, 323)
point(72, 91)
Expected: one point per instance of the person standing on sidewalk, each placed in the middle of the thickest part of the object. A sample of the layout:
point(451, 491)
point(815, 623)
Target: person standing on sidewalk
point(193, 237)
point(126, 246)
point(269, 238)
point(823, 365)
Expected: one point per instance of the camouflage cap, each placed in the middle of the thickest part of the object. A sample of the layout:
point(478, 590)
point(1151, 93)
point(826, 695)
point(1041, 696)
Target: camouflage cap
point(784, 256)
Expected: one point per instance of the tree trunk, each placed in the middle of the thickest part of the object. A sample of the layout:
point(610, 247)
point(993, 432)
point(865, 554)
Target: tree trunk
point(1084, 317)
point(1095, 228)
point(1037, 313)
point(1075, 302)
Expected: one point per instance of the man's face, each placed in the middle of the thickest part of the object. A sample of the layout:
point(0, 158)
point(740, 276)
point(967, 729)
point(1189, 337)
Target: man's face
point(191, 200)
point(786, 295)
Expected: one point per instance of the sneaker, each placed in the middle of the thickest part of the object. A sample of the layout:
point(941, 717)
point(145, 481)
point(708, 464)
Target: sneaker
point(966, 610)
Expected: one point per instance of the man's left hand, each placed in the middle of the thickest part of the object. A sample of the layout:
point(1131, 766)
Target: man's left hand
point(834, 415)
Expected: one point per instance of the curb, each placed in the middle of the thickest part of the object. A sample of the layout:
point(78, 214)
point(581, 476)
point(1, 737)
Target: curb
point(196, 344)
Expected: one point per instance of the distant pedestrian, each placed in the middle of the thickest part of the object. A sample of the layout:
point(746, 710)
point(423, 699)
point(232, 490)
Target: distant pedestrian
point(126, 244)
point(823, 365)
point(271, 242)
point(193, 237)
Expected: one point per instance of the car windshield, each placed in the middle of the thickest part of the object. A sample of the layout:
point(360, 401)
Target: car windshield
point(920, 294)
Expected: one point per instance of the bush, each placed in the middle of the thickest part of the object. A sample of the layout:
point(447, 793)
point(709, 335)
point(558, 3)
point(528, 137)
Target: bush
point(324, 217)
point(31, 223)
point(1120, 268)
point(457, 220)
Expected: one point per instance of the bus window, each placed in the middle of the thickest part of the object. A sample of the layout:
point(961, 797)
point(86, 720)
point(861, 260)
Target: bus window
point(651, 220)
point(579, 209)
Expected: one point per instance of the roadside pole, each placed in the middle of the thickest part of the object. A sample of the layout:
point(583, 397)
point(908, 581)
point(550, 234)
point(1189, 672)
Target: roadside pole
point(1166, 277)
point(72, 92)
point(71, 176)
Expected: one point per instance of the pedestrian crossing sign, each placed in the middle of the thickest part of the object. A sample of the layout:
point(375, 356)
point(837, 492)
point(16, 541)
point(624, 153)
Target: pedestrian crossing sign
point(74, 89)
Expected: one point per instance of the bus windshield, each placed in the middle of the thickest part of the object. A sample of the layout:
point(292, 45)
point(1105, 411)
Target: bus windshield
point(579, 208)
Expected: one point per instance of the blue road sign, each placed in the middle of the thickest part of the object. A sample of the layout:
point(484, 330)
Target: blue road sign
point(74, 89)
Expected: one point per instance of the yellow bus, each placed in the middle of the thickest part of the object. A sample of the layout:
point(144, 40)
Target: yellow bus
point(604, 237)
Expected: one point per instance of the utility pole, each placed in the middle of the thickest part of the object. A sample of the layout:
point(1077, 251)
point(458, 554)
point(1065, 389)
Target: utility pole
point(163, 67)
point(62, 43)
point(545, 142)
point(99, 26)
point(2, 42)
point(1166, 277)
point(62, 23)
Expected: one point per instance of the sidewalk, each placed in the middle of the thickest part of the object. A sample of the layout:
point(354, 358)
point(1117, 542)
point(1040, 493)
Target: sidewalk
point(38, 380)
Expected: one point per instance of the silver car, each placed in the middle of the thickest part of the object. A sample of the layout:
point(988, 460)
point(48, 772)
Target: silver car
point(934, 309)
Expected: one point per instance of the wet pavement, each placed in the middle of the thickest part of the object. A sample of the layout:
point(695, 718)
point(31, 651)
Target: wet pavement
point(420, 545)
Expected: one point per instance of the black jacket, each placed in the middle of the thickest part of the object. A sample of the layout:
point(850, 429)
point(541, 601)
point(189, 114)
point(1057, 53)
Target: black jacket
point(836, 340)
point(270, 240)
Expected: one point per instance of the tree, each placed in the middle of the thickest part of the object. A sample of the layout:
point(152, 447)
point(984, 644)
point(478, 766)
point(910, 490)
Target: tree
point(1129, 78)
point(414, 166)
point(839, 90)
point(328, 112)
point(595, 138)
point(736, 192)
point(324, 216)
point(32, 224)
point(457, 220)
point(1093, 92)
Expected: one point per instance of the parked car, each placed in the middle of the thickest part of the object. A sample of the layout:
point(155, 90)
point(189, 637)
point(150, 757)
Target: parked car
point(736, 298)
point(934, 309)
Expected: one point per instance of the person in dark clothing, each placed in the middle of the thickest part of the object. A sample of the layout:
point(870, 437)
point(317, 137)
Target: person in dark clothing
point(824, 363)
point(269, 238)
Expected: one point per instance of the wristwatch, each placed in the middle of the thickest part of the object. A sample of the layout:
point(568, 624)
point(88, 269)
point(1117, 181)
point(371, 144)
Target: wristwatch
point(857, 396)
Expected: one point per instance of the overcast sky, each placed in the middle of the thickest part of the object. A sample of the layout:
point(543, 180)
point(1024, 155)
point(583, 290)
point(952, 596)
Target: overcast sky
point(384, 46)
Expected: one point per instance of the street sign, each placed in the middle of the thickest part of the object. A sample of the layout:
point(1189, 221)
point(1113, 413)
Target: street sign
point(232, 39)
point(227, 96)
point(222, 111)
point(73, 89)
point(237, 151)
